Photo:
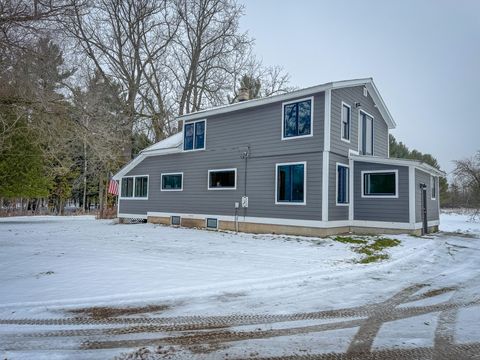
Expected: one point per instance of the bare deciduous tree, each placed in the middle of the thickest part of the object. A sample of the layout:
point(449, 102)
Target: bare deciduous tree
point(467, 175)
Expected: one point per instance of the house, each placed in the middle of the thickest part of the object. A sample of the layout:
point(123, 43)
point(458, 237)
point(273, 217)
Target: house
point(310, 162)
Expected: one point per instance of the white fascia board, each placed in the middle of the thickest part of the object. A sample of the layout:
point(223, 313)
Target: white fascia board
point(399, 162)
point(377, 98)
point(123, 171)
point(284, 97)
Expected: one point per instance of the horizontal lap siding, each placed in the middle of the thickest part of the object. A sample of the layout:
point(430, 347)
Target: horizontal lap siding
point(377, 209)
point(227, 137)
point(350, 96)
point(335, 212)
point(432, 205)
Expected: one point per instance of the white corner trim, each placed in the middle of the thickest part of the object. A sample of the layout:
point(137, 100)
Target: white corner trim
point(171, 173)
point(395, 171)
point(221, 188)
point(134, 183)
point(351, 185)
point(328, 119)
point(325, 167)
point(336, 184)
point(411, 194)
point(304, 163)
point(311, 98)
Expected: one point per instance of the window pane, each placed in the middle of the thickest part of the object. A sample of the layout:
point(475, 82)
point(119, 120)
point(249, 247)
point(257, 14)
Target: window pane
point(188, 137)
point(297, 182)
point(368, 135)
point(200, 135)
point(304, 117)
point(290, 119)
point(345, 122)
point(290, 183)
point(141, 186)
point(222, 179)
point(127, 187)
point(284, 183)
point(172, 182)
point(380, 184)
point(342, 186)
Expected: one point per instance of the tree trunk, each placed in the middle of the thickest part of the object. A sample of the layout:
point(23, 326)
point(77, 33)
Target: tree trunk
point(85, 175)
point(100, 198)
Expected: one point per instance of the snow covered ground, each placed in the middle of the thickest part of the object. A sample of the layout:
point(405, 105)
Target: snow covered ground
point(301, 295)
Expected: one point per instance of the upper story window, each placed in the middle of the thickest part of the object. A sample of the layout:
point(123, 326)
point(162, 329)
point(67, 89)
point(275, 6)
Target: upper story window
point(194, 135)
point(380, 184)
point(291, 183)
point(366, 131)
point(297, 118)
point(134, 187)
point(433, 187)
point(222, 179)
point(346, 120)
point(172, 182)
point(342, 184)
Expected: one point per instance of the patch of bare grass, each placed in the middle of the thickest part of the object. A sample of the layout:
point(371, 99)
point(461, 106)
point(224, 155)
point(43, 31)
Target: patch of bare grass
point(105, 312)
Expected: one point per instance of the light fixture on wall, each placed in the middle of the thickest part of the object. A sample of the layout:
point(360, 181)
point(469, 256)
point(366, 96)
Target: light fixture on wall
point(357, 104)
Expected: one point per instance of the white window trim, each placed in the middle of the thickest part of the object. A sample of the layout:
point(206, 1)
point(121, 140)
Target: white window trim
point(304, 163)
point(134, 181)
point(336, 185)
point(433, 180)
point(395, 171)
point(349, 123)
point(222, 188)
point(311, 118)
point(194, 131)
point(360, 132)
point(172, 173)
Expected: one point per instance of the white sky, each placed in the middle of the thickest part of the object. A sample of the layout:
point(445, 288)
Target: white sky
point(424, 56)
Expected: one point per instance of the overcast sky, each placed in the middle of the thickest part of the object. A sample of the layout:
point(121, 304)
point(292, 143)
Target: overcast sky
point(424, 57)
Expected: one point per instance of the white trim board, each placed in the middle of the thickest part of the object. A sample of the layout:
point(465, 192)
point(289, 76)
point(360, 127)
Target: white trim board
point(132, 216)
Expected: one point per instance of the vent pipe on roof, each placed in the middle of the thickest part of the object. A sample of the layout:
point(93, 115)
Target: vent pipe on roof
point(243, 95)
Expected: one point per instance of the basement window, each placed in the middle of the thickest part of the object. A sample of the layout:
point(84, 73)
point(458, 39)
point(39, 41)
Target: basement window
point(175, 220)
point(222, 179)
point(380, 184)
point(212, 223)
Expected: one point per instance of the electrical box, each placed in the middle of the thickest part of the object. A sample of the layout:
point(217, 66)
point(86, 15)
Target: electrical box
point(245, 201)
point(237, 205)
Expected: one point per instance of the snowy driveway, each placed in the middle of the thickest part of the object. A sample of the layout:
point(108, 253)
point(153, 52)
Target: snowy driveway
point(186, 293)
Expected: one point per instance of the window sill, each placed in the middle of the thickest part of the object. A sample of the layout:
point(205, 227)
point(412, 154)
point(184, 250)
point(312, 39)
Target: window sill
point(297, 137)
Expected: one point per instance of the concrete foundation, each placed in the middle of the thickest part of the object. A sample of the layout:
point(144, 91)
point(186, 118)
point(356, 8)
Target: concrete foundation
point(287, 229)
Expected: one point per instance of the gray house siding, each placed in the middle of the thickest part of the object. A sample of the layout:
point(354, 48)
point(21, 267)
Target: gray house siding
point(377, 209)
point(227, 135)
point(350, 96)
point(432, 205)
point(335, 212)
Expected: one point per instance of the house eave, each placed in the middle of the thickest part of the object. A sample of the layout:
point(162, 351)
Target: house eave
point(368, 82)
point(400, 162)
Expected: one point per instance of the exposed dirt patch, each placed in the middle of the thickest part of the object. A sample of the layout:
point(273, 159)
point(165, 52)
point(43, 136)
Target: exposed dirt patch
point(105, 312)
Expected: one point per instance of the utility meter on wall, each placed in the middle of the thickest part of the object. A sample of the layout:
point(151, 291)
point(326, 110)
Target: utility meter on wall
point(245, 201)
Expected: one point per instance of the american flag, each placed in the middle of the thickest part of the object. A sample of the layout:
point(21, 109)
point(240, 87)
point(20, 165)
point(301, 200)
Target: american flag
point(113, 187)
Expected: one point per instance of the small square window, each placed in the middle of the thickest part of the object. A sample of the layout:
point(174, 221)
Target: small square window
point(175, 220)
point(212, 223)
point(194, 135)
point(297, 118)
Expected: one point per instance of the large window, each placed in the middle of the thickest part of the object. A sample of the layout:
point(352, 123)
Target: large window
point(222, 179)
point(433, 187)
point(380, 183)
point(297, 118)
point(194, 135)
point(291, 183)
point(342, 184)
point(172, 182)
point(346, 120)
point(135, 187)
point(366, 124)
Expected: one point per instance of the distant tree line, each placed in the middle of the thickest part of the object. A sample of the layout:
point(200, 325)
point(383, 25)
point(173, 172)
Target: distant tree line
point(85, 85)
